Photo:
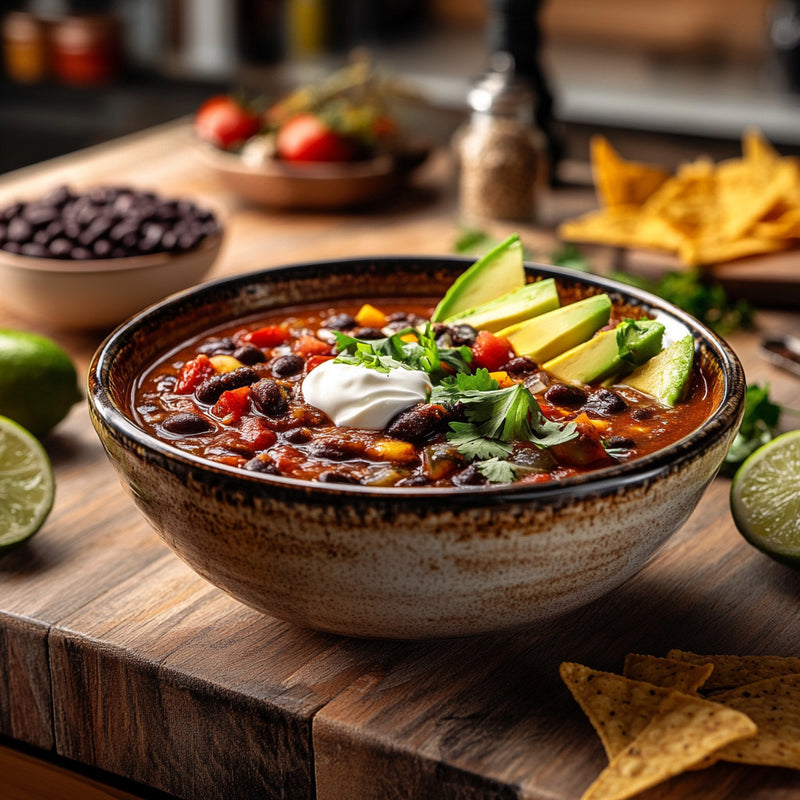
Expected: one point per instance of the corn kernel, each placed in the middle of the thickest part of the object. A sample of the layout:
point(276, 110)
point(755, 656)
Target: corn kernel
point(392, 450)
point(370, 317)
point(224, 363)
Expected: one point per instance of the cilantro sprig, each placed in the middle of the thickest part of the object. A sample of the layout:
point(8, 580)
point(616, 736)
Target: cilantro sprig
point(410, 348)
point(496, 417)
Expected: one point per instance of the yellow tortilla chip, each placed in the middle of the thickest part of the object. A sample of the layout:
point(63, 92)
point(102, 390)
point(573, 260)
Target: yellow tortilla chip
point(618, 708)
point(684, 732)
point(619, 182)
point(623, 226)
point(703, 252)
point(756, 149)
point(774, 706)
point(731, 671)
point(670, 673)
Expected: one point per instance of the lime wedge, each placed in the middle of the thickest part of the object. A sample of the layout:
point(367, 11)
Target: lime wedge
point(765, 498)
point(27, 485)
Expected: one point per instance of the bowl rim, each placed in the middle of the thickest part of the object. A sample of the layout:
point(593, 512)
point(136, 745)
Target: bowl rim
point(608, 480)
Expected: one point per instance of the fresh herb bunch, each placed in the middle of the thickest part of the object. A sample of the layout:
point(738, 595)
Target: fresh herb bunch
point(759, 425)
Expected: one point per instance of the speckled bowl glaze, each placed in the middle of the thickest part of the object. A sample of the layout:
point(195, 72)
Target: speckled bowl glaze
point(388, 562)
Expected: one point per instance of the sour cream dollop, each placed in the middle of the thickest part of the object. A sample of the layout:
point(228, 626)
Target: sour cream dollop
point(359, 397)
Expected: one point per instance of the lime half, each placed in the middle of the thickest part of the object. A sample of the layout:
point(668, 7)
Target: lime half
point(27, 485)
point(765, 498)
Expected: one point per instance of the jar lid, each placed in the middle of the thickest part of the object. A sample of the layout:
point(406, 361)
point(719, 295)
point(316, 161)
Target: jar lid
point(499, 91)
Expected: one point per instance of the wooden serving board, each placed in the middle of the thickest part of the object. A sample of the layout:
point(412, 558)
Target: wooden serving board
point(116, 655)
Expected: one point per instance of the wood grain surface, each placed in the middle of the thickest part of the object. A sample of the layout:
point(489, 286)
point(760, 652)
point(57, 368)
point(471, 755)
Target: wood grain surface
point(116, 655)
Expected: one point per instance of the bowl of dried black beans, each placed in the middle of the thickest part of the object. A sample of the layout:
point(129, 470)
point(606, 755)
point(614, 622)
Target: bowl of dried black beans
point(90, 258)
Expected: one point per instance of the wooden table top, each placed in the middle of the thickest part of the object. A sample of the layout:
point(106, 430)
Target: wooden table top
point(115, 654)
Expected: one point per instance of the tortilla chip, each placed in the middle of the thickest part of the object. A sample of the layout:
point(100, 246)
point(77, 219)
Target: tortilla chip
point(682, 734)
point(670, 673)
point(774, 706)
point(699, 252)
point(734, 671)
point(618, 708)
point(620, 182)
point(622, 226)
point(756, 149)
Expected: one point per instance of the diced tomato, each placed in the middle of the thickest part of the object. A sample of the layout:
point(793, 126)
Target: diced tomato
point(307, 345)
point(315, 361)
point(491, 351)
point(193, 373)
point(232, 405)
point(254, 432)
point(536, 477)
point(270, 336)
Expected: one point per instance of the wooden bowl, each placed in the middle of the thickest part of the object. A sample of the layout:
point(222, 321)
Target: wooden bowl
point(312, 186)
point(400, 563)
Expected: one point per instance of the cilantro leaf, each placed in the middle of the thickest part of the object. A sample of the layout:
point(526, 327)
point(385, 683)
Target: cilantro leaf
point(497, 470)
point(759, 425)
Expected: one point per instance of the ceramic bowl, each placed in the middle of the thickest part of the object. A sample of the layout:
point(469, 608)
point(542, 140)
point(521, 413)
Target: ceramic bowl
point(98, 293)
point(399, 563)
point(312, 186)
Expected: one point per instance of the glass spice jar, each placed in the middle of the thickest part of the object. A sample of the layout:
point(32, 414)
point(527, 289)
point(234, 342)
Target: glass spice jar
point(501, 155)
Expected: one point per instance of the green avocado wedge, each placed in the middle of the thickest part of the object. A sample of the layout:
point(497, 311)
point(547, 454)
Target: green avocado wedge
point(609, 353)
point(666, 375)
point(544, 337)
point(523, 303)
point(497, 273)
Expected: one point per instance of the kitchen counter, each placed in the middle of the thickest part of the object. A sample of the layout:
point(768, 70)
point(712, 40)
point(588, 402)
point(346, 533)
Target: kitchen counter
point(115, 655)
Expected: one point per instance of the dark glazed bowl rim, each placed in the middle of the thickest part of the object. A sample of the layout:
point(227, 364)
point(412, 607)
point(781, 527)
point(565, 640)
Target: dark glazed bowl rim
point(610, 480)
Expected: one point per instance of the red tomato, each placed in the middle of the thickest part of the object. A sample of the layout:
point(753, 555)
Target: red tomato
point(491, 352)
point(232, 405)
point(193, 373)
point(270, 336)
point(307, 345)
point(224, 122)
point(308, 138)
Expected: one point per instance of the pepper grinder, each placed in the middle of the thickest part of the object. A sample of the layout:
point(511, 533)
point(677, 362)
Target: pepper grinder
point(501, 153)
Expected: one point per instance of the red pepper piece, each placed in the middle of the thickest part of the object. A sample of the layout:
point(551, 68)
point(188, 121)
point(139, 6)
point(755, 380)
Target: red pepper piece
point(255, 433)
point(232, 405)
point(491, 352)
point(315, 361)
point(193, 373)
point(270, 336)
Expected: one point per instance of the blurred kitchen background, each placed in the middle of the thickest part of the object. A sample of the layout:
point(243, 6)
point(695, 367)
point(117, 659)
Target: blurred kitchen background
point(79, 73)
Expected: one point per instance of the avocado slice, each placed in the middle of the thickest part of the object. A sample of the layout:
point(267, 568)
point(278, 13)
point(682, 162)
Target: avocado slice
point(500, 271)
point(528, 301)
point(546, 336)
point(609, 353)
point(666, 375)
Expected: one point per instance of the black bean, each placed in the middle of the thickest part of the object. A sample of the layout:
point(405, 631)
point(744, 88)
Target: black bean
point(40, 214)
point(214, 347)
point(34, 250)
point(262, 464)
point(366, 333)
point(60, 247)
point(269, 398)
point(80, 253)
point(102, 248)
point(333, 476)
point(340, 322)
point(621, 442)
point(249, 354)
point(283, 366)
point(297, 435)
point(520, 365)
point(420, 423)
point(643, 412)
point(186, 424)
point(19, 230)
point(335, 450)
point(562, 394)
point(11, 247)
point(604, 402)
point(210, 390)
point(414, 480)
point(471, 476)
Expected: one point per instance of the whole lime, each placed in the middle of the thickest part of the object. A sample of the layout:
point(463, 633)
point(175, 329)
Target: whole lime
point(38, 381)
